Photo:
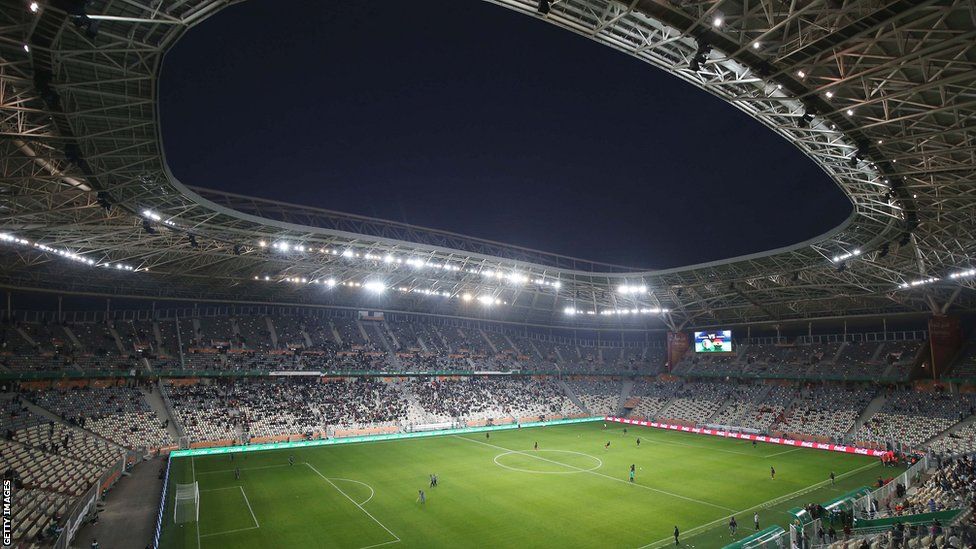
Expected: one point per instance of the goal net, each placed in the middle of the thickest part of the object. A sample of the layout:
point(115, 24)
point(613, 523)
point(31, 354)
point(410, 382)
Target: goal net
point(187, 505)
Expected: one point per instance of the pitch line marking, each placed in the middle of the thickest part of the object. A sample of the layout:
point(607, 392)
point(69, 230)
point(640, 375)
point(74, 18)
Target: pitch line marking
point(371, 491)
point(256, 525)
point(243, 469)
point(193, 469)
point(766, 504)
point(230, 531)
point(710, 449)
point(784, 452)
point(381, 544)
point(219, 489)
point(368, 514)
point(644, 486)
point(510, 468)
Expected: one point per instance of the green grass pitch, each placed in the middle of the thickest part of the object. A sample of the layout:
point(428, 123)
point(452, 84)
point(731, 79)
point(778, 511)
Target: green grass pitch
point(500, 492)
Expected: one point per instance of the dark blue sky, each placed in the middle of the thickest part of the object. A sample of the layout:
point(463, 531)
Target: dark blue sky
point(464, 116)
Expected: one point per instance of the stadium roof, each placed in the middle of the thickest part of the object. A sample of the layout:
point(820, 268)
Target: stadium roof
point(880, 94)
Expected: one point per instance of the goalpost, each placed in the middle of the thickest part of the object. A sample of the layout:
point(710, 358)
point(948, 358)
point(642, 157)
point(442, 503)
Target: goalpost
point(187, 503)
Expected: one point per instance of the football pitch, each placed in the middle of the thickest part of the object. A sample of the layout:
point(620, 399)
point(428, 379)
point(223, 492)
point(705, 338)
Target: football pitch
point(501, 492)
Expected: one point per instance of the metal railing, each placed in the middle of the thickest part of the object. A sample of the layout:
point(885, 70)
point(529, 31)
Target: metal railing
point(911, 477)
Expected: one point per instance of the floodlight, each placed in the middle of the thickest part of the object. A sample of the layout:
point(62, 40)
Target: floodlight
point(375, 286)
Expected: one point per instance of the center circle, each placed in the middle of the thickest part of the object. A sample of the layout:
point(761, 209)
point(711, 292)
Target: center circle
point(564, 462)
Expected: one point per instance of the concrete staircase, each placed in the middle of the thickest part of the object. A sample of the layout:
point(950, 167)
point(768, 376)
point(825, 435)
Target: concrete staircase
point(512, 345)
point(155, 401)
point(26, 337)
point(335, 334)
point(362, 331)
point(491, 344)
point(877, 352)
point(952, 429)
point(441, 336)
point(840, 350)
point(117, 338)
point(625, 390)
point(75, 342)
point(158, 336)
point(377, 337)
point(44, 412)
point(572, 396)
point(871, 409)
point(271, 331)
point(388, 333)
point(535, 350)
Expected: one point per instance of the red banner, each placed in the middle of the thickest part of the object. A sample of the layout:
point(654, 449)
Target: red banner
point(747, 436)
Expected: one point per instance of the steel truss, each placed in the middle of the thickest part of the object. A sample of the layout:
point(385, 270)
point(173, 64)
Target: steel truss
point(880, 94)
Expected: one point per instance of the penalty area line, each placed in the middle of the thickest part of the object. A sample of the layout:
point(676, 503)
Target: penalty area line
point(361, 508)
point(242, 469)
point(230, 531)
point(256, 525)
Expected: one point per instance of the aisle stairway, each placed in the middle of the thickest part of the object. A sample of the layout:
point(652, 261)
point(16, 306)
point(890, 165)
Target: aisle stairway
point(572, 396)
point(626, 387)
point(155, 401)
point(866, 414)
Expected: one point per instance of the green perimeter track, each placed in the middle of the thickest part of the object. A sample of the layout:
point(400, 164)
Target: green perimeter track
point(500, 492)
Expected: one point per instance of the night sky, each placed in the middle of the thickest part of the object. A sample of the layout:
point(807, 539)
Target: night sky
point(464, 116)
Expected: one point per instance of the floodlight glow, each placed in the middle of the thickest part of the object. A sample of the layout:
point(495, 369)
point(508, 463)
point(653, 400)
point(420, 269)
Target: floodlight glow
point(846, 256)
point(569, 311)
point(330, 282)
point(627, 289)
point(488, 300)
point(375, 286)
point(26, 48)
point(919, 282)
point(466, 297)
point(755, 45)
point(964, 274)
point(34, 6)
point(850, 112)
point(829, 94)
point(717, 22)
point(801, 74)
point(262, 244)
point(347, 252)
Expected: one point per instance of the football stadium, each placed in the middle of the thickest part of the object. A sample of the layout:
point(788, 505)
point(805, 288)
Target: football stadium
point(194, 367)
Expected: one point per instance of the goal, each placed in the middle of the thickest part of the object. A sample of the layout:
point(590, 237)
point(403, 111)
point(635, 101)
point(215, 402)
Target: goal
point(187, 504)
